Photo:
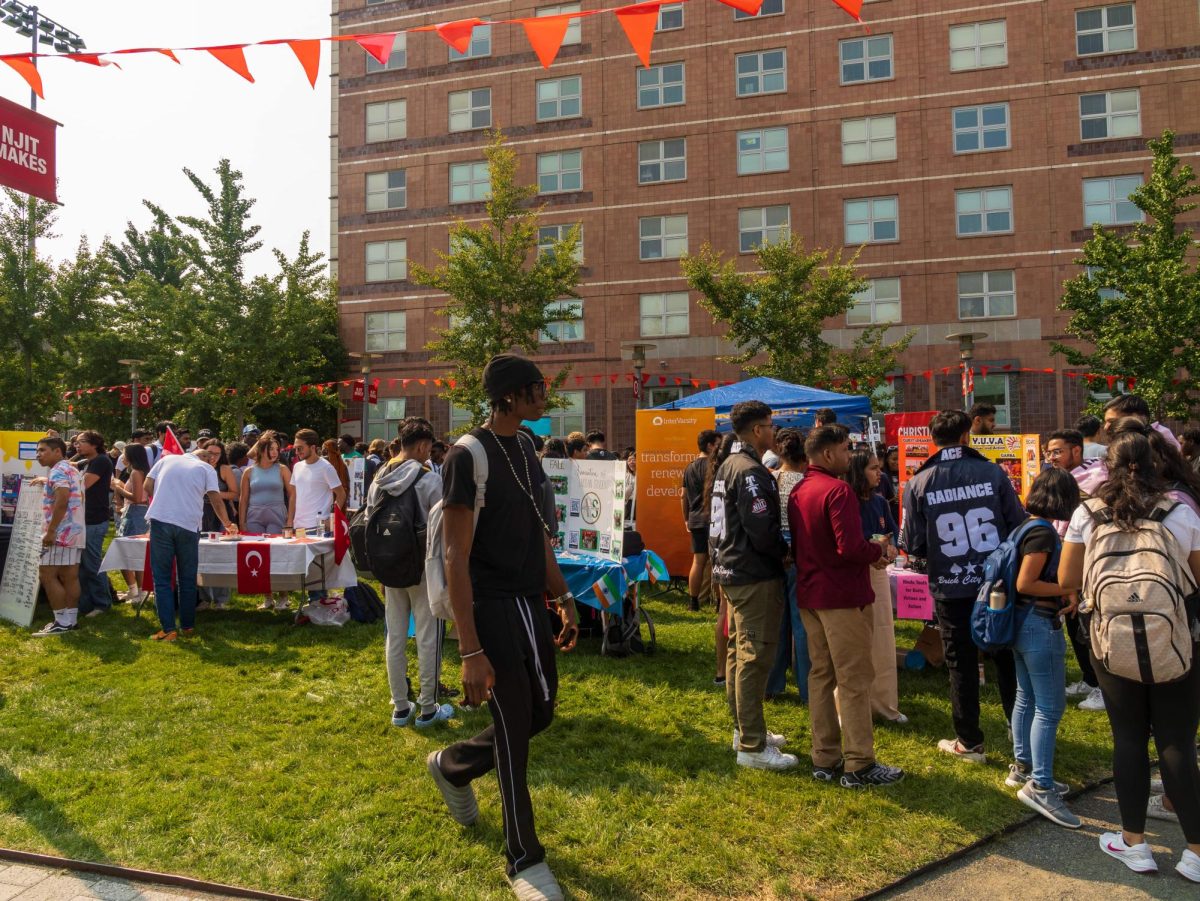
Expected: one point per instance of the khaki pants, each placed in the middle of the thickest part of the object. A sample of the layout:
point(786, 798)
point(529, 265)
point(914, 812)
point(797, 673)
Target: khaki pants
point(839, 643)
point(885, 697)
point(707, 595)
point(755, 611)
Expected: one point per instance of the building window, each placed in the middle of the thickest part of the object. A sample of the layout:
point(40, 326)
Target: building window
point(481, 44)
point(471, 109)
point(762, 150)
point(387, 261)
point(559, 98)
point(662, 237)
point(566, 329)
point(387, 121)
point(762, 225)
point(876, 304)
point(1106, 200)
point(664, 315)
point(397, 59)
point(387, 331)
point(993, 389)
point(987, 211)
point(872, 220)
point(1093, 274)
point(1105, 29)
point(986, 295)
point(1113, 114)
point(670, 17)
point(569, 417)
point(387, 190)
point(866, 59)
point(980, 45)
point(768, 8)
point(469, 182)
point(761, 73)
point(868, 140)
point(660, 86)
point(550, 235)
point(557, 172)
point(980, 128)
point(660, 161)
point(384, 418)
point(574, 33)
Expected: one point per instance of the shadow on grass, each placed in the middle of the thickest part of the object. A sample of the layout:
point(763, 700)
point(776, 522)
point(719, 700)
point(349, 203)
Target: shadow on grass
point(47, 818)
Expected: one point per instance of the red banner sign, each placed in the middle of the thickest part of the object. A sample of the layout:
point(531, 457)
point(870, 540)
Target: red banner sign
point(896, 424)
point(356, 392)
point(27, 151)
point(373, 392)
point(127, 397)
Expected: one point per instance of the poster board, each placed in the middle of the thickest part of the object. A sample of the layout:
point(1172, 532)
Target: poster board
point(589, 502)
point(897, 425)
point(357, 469)
point(19, 585)
point(1019, 456)
point(18, 458)
point(666, 444)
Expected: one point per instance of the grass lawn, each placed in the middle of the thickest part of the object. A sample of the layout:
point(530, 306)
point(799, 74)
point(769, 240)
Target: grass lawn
point(262, 754)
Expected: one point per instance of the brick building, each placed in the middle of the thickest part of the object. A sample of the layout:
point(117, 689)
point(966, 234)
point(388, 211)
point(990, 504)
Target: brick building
point(967, 146)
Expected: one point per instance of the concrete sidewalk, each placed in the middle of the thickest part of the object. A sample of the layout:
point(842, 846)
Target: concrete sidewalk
point(1043, 861)
point(23, 882)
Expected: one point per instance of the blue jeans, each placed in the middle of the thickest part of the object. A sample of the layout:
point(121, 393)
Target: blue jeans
point(93, 584)
point(793, 645)
point(172, 547)
point(1040, 655)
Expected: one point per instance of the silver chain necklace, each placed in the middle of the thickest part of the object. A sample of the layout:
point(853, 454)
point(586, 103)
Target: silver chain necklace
point(528, 492)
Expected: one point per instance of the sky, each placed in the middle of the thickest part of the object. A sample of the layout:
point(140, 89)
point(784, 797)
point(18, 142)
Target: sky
point(127, 134)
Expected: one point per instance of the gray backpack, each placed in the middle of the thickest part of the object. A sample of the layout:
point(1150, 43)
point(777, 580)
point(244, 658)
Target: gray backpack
point(1135, 585)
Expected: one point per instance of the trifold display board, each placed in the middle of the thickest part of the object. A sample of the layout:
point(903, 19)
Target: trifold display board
point(1018, 455)
point(589, 501)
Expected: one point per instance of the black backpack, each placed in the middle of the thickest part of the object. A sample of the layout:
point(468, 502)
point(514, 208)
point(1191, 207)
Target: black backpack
point(390, 544)
point(363, 603)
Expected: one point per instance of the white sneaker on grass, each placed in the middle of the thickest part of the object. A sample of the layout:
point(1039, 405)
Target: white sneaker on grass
point(536, 883)
point(1189, 865)
point(1094, 701)
point(460, 799)
point(1157, 811)
point(1078, 689)
point(769, 758)
point(956, 748)
point(439, 714)
point(773, 739)
point(1138, 858)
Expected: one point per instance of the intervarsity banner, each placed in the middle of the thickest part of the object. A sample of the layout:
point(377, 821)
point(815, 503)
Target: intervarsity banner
point(27, 151)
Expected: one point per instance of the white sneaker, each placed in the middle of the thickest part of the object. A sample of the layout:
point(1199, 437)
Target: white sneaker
point(769, 758)
point(773, 740)
point(1078, 689)
point(1138, 858)
point(955, 748)
point(1189, 865)
point(464, 809)
point(1094, 701)
point(439, 714)
point(536, 884)
point(1156, 811)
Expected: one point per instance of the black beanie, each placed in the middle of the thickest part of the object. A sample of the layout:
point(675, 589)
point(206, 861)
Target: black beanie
point(508, 372)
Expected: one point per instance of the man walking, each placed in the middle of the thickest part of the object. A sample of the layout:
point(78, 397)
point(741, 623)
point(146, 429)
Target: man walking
point(695, 517)
point(498, 569)
point(97, 471)
point(834, 594)
point(958, 507)
point(64, 536)
point(748, 553)
point(178, 485)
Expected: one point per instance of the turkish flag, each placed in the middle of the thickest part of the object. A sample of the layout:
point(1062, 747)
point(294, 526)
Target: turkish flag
point(143, 397)
point(171, 444)
point(341, 535)
point(254, 567)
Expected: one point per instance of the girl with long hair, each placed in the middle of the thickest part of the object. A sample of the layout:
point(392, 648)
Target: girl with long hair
point(331, 452)
point(133, 521)
point(267, 501)
point(793, 639)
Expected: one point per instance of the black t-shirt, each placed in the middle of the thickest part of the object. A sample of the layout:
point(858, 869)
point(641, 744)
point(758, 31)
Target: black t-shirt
point(693, 490)
point(97, 500)
point(1038, 540)
point(508, 556)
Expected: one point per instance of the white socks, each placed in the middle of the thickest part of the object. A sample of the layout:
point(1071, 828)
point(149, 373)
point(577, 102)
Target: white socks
point(67, 617)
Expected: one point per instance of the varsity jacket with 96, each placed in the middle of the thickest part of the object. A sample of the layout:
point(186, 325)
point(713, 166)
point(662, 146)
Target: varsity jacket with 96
point(744, 533)
point(958, 507)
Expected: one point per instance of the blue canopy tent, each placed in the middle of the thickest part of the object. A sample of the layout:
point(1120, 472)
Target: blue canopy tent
point(793, 405)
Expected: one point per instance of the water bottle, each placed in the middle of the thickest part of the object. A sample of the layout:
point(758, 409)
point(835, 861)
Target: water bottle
point(998, 598)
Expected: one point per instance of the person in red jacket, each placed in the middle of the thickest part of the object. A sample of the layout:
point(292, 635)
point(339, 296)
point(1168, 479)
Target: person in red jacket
point(833, 592)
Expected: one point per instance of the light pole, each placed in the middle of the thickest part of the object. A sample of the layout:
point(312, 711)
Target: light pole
point(134, 375)
point(366, 358)
point(966, 353)
point(637, 353)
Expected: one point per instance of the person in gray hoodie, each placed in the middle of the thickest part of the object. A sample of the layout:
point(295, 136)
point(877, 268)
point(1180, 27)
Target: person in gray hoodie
point(409, 470)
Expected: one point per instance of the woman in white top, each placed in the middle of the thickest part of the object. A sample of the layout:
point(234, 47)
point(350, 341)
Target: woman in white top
point(1168, 710)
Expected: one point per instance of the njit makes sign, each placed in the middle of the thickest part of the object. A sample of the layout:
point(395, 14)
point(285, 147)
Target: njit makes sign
point(27, 151)
point(143, 397)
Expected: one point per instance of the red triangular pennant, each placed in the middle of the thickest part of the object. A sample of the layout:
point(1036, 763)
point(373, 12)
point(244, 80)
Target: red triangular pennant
point(747, 6)
point(24, 66)
point(639, 23)
point(378, 45)
point(545, 35)
point(309, 54)
point(458, 33)
point(854, 7)
point(92, 59)
point(232, 56)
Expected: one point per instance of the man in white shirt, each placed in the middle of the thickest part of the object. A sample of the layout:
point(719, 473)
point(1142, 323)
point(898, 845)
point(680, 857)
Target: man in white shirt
point(317, 484)
point(178, 485)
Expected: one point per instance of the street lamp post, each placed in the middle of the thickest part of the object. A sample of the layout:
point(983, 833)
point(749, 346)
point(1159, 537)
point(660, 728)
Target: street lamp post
point(366, 358)
point(134, 375)
point(966, 353)
point(637, 353)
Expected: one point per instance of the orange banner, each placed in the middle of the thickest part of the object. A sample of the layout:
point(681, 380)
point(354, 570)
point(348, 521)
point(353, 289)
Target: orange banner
point(666, 444)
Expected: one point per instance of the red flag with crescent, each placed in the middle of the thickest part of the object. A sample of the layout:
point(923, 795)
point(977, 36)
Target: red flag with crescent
point(254, 567)
point(341, 535)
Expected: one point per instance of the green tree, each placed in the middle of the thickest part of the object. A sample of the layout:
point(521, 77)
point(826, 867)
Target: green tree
point(777, 316)
point(1137, 302)
point(500, 287)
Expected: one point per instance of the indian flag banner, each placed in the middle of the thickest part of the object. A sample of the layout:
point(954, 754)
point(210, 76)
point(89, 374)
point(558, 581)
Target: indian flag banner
point(656, 567)
point(608, 590)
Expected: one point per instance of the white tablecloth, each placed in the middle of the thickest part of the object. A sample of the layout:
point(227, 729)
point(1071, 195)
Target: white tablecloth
point(295, 565)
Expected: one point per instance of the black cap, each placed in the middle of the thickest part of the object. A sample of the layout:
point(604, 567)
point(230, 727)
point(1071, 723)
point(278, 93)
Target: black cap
point(508, 372)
